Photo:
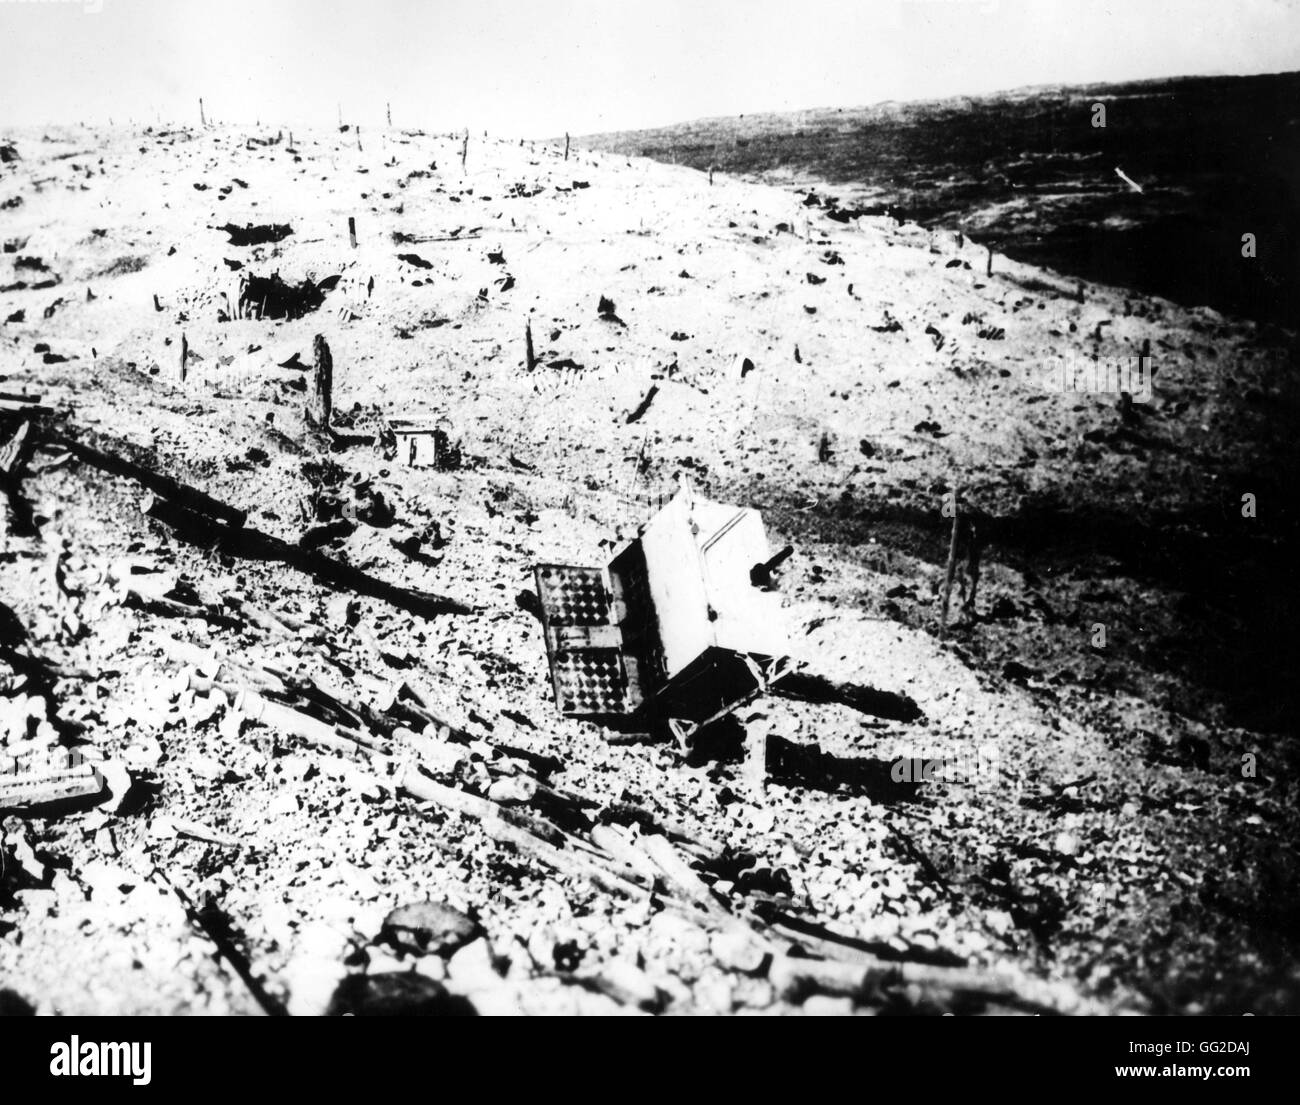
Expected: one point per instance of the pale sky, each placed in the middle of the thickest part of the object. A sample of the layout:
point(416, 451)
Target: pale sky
point(540, 67)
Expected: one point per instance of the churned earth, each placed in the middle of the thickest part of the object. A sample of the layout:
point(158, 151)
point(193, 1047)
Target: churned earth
point(1113, 821)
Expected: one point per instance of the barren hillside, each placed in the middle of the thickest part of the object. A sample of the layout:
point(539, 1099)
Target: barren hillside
point(840, 372)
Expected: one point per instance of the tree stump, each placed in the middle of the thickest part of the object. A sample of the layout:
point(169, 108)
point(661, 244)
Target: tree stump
point(320, 399)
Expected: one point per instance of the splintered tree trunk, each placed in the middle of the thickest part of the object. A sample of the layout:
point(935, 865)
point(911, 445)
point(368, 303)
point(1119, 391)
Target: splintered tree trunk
point(464, 150)
point(320, 401)
point(566, 145)
point(389, 109)
point(352, 231)
point(530, 359)
point(185, 350)
point(952, 558)
point(203, 119)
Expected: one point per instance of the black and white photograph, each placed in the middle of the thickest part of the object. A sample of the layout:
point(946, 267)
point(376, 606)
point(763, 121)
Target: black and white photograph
point(648, 507)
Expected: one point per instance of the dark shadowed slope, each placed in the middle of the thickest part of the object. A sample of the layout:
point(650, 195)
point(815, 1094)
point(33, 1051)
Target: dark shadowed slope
point(1029, 173)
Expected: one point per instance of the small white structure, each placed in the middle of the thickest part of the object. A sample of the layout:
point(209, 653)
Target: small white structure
point(424, 444)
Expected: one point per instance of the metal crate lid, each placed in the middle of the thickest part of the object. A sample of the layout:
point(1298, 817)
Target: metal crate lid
point(584, 649)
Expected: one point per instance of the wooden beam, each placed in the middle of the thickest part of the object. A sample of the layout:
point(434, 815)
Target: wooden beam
point(191, 498)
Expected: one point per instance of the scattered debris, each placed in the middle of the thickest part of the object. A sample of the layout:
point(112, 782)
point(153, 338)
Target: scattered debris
point(251, 235)
point(636, 414)
point(270, 297)
point(606, 311)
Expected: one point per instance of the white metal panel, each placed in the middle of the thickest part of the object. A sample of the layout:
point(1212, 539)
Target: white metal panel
point(672, 560)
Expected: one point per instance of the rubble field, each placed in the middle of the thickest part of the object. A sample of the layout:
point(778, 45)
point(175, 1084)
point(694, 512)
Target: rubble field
point(280, 699)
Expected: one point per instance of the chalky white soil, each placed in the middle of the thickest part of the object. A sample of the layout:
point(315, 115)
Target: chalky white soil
point(1118, 852)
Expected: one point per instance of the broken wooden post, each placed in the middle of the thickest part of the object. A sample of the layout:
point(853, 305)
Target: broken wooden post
point(952, 558)
point(388, 108)
point(988, 269)
point(185, 350)
point(13, 454)
point(352, 231)
point(320, 400)
point(566, 145)
point(464, 150)
point(203, 119)
point(530, 360)
point(359, 149)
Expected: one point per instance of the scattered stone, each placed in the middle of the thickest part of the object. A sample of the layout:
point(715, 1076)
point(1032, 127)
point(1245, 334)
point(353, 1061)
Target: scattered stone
point(626, 983)
point(429, 928)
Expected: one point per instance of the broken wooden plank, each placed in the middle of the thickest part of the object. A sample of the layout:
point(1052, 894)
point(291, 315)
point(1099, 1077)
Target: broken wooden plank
point(295, 723)
point(200, 529)
point(191, 498)
point(14, 453)
point(612, 840)
point(22, 792)
point(679, 873)
point(795, 976)
point(17, 404)
point(216, 925)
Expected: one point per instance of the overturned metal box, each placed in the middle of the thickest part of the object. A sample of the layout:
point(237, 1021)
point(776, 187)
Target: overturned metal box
point(424, 444)
point(676, 627)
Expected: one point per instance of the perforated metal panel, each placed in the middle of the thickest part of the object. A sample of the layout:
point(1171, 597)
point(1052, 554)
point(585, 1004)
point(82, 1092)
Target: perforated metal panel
point(573, 596)
point(588, 672)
